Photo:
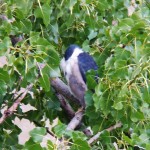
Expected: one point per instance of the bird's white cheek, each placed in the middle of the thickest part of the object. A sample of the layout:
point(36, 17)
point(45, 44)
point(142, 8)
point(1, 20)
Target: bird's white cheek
point(68, 71)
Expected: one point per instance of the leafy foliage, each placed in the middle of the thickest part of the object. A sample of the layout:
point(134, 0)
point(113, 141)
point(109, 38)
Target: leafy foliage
point(116, 33)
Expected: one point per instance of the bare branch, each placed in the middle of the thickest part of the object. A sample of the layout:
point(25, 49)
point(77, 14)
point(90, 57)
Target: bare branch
point(70, 113)
point(63, 89)
point(60, 86)
point(117, 125)
point(13, 108)
point(76, 120)
point(66, 107)
point(95, 137)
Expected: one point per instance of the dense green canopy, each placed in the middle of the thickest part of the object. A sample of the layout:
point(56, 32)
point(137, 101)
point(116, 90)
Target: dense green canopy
point(115, 32)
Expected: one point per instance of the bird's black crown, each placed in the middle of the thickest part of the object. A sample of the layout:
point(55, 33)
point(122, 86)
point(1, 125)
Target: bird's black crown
point(70, 51)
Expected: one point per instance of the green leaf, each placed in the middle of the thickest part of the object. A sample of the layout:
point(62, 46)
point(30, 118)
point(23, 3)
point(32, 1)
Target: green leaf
point(71, 4)
point(88, 98)
point(50, 145)
point(3, 89)
point(126, 24)
point(102, 103)
point(55, 30)
point(92, 35)
point(7, 27)
point(97, 102)
point(53, 59)
point(51, 70)
point(37, 134)
point(4, 76)
point(31, 145)
point(42, 42)
point(60, 129)
point(25, 6)
point(136, 116)
point(19, 64)
point(105, 136)
point(80, 144)
point(53, 104)
point(43, 12)
point(31, 75)
point(147, 146)
point(118, 105)
point(119, 42)
point(26, 26)
point(45, 82)
point(128, 140)
point(102, 5)
point(55, 72)
point(122, 54)
point(19, 14)
point(78, 135)
point(86, 46)
point(4, 45)
point(146, 94)
point(92, 79)
point(34, 36)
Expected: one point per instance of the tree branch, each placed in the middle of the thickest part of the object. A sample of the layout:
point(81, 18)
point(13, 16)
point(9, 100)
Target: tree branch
point(117, 125)
point(66, 107)
point(76, 120)
point(95, 137)
point(70, 113)
point(63, 89)
point(13, 108)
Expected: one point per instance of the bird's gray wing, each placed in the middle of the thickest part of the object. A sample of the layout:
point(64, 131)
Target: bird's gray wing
point(86, 62)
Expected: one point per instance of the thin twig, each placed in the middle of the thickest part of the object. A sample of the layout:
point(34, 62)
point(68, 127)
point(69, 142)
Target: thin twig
point(95, 137)
point(15, 105)
point(48, 131)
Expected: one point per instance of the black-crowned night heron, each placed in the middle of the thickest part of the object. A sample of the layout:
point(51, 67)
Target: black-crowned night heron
point(75, 64)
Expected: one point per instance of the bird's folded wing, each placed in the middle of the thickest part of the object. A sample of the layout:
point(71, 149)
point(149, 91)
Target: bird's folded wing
point(85, 63)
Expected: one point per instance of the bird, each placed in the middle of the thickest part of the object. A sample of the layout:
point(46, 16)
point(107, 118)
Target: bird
point(75, 64)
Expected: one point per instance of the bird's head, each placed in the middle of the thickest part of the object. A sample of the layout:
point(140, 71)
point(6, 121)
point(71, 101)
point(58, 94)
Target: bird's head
point(72, 51)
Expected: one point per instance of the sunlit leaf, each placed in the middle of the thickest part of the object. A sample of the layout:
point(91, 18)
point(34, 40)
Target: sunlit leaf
point(92, 34)
point(118, 106)
point(37, 134)
point(45, 82)
point(4, 45)
point(60, 129)
point(50, 145)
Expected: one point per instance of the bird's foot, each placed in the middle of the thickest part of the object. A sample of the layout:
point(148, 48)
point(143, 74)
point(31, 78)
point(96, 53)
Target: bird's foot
point(81, 109)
